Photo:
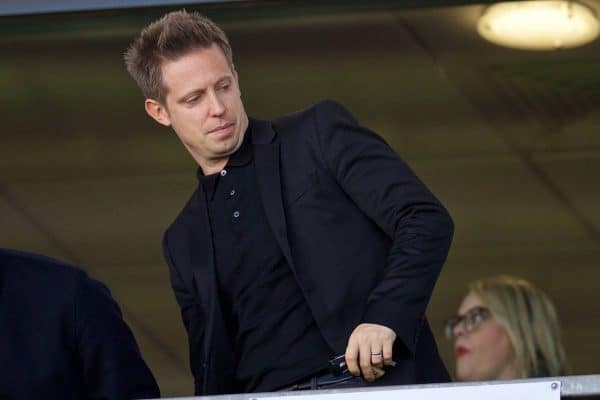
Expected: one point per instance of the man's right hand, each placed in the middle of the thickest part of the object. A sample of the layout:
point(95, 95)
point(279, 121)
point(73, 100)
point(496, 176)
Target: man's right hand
point(369, 349)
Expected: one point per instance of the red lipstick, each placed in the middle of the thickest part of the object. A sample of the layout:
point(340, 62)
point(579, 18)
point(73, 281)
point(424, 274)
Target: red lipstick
point(461, 351)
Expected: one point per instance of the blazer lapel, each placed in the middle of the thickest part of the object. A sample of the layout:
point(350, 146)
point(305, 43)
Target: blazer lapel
point(266, 154)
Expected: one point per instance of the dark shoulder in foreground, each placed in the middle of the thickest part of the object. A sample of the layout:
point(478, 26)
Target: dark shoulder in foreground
point(35, 262)
point(38, 272)
point(11, 257)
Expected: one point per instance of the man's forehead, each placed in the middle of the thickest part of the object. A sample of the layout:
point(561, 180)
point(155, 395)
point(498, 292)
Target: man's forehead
point(201, 66)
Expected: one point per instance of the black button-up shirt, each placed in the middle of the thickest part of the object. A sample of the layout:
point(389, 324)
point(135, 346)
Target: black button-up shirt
point(274, 333)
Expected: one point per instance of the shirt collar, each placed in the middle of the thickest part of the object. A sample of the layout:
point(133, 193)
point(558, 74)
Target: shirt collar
point(244, 154)
point(241, 157)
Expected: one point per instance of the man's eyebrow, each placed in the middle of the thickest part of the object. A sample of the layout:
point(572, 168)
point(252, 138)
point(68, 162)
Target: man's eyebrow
point(223, 80)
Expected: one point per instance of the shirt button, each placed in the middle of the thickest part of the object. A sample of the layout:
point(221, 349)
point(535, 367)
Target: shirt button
point(236, 214)
point(232, 192)
point(224, 172)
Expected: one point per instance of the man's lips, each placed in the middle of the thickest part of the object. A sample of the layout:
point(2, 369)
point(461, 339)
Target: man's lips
point(221, 128)
point(461, 351)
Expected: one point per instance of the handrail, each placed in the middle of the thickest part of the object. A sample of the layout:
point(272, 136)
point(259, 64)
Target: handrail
point(570, 386)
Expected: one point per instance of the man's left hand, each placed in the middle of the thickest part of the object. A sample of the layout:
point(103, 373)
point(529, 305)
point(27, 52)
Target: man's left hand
point(369, 345)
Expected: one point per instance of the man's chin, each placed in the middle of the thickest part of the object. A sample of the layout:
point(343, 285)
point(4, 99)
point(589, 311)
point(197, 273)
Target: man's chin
point(225, 152)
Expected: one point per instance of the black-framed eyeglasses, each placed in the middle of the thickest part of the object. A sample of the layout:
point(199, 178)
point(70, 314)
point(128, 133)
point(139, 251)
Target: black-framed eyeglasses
point(471, 320)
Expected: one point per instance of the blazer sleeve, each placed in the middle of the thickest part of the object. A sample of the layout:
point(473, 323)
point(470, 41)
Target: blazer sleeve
point(192, 316)
point(110, 359)
point(391, 195)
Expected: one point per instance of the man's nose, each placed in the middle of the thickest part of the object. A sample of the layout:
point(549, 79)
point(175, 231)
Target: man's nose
point(217, 107)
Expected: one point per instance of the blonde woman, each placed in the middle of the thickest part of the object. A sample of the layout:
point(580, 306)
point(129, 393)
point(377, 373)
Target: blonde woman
point(506, 328)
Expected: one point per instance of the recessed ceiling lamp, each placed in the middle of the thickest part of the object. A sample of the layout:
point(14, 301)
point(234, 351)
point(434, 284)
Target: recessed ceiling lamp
point(539, 25)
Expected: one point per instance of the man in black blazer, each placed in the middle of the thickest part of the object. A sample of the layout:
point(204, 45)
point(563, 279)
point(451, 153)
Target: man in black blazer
point(308, 239)
point(62, 335)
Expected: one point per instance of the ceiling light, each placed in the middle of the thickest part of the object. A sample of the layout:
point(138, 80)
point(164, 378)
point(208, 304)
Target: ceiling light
point(539, 25)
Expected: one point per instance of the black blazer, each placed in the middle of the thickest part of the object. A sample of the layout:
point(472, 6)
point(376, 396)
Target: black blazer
point(62, 335)
point(365, 238)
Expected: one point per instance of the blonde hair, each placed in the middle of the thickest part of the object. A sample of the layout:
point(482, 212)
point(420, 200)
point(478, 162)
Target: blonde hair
point(530, 320)
point(167, 39)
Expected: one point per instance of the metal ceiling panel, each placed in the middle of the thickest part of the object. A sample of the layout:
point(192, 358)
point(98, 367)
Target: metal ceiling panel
point(21, 7)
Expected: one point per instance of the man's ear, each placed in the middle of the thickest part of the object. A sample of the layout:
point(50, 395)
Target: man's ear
point(157, 111)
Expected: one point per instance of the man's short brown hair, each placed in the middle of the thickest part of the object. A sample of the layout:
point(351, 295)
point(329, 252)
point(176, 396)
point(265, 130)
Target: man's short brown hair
point(167, 39)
